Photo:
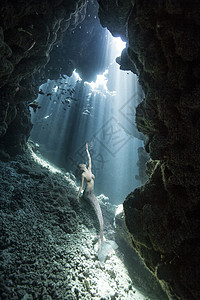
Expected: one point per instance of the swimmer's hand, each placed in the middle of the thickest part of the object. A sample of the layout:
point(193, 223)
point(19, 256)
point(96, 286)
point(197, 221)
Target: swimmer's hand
point(86, 146)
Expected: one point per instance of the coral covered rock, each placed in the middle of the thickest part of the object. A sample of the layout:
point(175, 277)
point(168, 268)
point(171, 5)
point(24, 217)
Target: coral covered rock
point(162, 215)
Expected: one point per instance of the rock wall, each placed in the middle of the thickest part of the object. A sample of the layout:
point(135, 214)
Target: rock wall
point(81, 48)
point(28, 31)
point(142, 278)
point(163, 50)
point(163, 215)
point(40, 41)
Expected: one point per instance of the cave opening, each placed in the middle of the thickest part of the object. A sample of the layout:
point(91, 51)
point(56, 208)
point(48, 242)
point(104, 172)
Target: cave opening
point(60, 71)
point(77, 108)
point(72, 111)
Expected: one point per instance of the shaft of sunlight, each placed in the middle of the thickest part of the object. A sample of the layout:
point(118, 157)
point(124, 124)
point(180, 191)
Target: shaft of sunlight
point(73, 112)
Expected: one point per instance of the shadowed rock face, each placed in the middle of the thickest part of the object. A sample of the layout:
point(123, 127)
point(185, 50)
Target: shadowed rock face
point(82, 48)
point(28, 32)
point(163, 215)
point(163, 50)
point(40, 41)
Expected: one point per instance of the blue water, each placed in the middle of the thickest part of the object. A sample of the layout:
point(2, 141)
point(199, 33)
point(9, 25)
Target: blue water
point(72, 112)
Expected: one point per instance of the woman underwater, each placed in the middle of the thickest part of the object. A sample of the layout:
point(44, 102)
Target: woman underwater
point(105, 246)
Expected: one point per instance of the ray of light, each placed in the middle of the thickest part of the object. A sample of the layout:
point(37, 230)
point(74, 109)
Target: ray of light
point(101, 113)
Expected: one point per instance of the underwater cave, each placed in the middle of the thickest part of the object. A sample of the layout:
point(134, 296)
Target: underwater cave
point(99, 149)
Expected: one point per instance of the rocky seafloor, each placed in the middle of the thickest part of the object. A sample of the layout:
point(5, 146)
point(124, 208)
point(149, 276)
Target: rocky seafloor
point(48, 239)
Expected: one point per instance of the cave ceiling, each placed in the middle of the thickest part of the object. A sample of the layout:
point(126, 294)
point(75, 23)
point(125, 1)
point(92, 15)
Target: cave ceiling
point(41, 41)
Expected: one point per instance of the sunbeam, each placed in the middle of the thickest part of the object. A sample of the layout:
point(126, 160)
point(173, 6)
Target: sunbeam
point(102, 113)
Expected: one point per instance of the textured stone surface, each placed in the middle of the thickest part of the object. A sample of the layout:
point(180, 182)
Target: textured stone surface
point(47, 241)
point(40, 41)
point(162, 216)
point(143, 279)
point(163, 50)
point(114, 15)
point(82, 48)
point(28, 32)
point(143, 158)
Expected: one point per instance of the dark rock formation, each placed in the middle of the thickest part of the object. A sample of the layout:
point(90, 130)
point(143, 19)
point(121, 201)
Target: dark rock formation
point(162, 216)
point(142, 278)
point(125, 63)
point(114, 15)
point(143, 157)
point(81, 48)
point(28, 33)
point(163, 50)
point(40, 41)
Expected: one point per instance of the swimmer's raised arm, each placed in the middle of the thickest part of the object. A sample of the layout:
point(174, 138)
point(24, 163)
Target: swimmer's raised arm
point(89, 158)
point(80, 189)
